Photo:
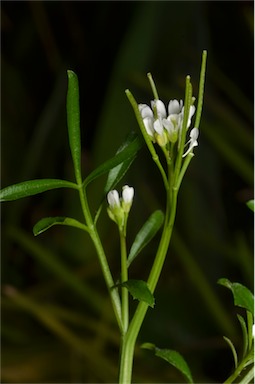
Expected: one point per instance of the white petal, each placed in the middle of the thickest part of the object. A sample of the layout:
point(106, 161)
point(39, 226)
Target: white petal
point(193, 140)
point(148, 123)
point(194, 134)
point(167, 123)
point(128, 194)
point(145, 111)
point(113, 198)
point(161, 109)
point(158, 126)
point(192, 111)
point(174, 107)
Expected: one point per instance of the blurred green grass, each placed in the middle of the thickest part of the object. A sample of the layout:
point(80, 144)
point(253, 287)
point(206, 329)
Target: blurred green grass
point(50, 330)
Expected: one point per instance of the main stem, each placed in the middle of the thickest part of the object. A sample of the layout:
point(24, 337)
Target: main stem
point(129, 339)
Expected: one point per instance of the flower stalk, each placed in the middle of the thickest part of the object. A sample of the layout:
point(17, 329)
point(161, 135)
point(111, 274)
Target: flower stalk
point(166, 131)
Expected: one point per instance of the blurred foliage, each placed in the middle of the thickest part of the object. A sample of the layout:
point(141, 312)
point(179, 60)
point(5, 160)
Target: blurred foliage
point(57, 324)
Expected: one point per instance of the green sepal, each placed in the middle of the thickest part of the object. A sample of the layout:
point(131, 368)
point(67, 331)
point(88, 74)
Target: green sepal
point(139, 290)
point(172, 357)
point(242, 295)
point(145, 235)
point(32, 187)
point(47, 222)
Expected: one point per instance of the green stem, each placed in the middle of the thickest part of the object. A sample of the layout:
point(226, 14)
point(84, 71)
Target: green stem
point(242, 365)
point(135, 325)
point(101, 255)
point(124, 277)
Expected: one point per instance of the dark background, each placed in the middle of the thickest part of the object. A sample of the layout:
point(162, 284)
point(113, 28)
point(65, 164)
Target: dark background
point(57, 322)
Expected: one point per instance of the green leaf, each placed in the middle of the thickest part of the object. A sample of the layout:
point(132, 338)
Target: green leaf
point(250, 204)
point(32, 187)
point(118, 172)
point(245, 334)
point(232, 347)
point(73, 122)
point(48, 222)
point(172, 357)
point(145, 235)
point(242, 295)
point(139, 290)
point(128, 153)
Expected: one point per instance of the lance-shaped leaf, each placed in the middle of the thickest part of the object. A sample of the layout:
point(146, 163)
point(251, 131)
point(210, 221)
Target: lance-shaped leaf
point(245, 334)
point(118, 172)
point(172, 357)
point(32, 187)
point(232, 347)
point(242, 295)
point(73, 122)
point(127, 153)
point(145, 235)
point(139, 290)
point(47, 222)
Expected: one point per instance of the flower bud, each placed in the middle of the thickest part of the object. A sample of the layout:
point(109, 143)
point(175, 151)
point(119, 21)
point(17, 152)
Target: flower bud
point(127, 197)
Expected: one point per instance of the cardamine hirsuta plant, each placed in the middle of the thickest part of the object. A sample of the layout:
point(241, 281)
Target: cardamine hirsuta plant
point(174, 131)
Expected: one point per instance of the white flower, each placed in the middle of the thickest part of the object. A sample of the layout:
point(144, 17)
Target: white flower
point(128, 194)
point(113, 198)
point(145, 111)
point(148, 118)
point(127, 197)
point(175, 107)
point(164, 128)
point(159, 109)
point(193, 141)
point(119, 207)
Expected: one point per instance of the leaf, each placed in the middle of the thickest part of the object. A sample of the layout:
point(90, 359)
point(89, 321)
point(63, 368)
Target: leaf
point(118, 172)
point(73, 122)
point(145, 235)
point(232, 347)
point(128, 153)
point(172, 357)
point(139, 290)
point(32, 187)
point(250, 204)
point(245, 334)
point(48, 222)
point(242, 295)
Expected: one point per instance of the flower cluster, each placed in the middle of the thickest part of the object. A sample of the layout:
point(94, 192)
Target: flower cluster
point(119, 207)
point(163, 128)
